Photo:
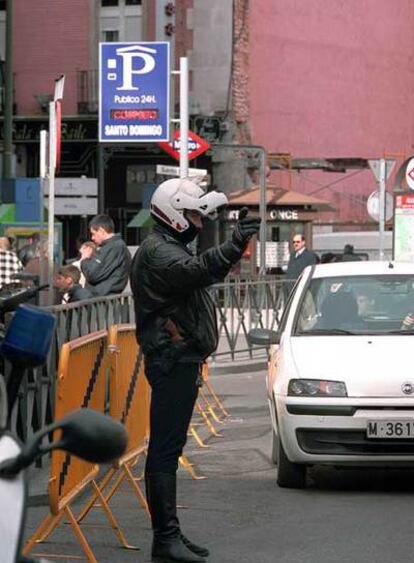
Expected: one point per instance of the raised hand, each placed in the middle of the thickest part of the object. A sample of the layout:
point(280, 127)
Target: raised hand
point(245, 228)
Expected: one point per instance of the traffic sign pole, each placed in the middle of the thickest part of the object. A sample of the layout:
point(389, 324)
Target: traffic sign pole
point(381, 169)
point(183, 117)
point(382, 178)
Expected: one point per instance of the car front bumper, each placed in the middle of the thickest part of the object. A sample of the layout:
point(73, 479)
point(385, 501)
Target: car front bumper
point(333, 431)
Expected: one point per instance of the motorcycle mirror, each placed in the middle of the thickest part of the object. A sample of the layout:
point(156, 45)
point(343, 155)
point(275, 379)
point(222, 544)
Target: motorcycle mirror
point(85, 433)
point(90, 435)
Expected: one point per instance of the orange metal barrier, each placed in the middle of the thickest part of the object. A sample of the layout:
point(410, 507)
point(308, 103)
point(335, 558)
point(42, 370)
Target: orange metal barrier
point(81, 383)
point(129, 403)
point(205, 407)
point(129, 389)
point(210, 390)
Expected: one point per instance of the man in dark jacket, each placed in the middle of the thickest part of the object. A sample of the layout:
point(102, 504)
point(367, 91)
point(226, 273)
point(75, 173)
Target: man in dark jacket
point(177, 330)
point(349, 254)
point(299, 258)
point(106, 270)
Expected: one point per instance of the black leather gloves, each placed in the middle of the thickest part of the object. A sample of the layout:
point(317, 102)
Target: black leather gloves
point(245, 228)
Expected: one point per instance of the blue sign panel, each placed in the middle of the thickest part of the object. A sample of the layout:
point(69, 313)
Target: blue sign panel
point(134, 92)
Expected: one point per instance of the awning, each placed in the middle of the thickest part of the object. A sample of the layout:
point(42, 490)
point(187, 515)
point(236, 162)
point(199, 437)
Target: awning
point(142, 220)
point(278, 197)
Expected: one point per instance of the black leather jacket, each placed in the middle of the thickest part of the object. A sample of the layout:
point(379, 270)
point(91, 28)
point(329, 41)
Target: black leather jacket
point(175, 315)
point(78, 293)
point(107, 270)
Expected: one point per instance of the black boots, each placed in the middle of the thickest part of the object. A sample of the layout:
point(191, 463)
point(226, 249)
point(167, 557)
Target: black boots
point(197, 549)
point(169, 545)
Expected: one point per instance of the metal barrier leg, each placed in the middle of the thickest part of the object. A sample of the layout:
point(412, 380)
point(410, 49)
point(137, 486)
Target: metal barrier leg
point(141, 476)
point(53, 524)
point(49, 523)
point(122, 476)
point(112, 519)
point(206, 419)
point(184, 461)
point(216, 399)
point(138, 492)
point(114, 487)
point(81, 538)
point(43, 531)
point(111, 472)
point(197, 437)
point(209, 407)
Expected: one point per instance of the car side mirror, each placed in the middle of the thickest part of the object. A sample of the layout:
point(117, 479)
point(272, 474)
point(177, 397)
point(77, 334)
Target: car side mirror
point(263, 337)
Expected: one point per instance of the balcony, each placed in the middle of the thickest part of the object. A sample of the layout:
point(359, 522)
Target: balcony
point(87, 91)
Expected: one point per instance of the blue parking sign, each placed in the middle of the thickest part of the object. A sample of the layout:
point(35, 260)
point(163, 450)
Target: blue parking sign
point(134, 92)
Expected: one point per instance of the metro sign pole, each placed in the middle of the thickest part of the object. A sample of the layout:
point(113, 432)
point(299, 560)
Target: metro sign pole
point(183, 121)
point(180, 148)
point(184, 117)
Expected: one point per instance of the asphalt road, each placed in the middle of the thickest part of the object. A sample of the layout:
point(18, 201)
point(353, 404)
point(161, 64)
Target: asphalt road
point(343, 516)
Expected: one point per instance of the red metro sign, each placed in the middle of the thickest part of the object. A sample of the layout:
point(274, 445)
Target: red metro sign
point(196, 145)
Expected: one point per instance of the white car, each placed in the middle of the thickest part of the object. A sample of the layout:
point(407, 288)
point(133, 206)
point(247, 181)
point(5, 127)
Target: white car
point(341, 372)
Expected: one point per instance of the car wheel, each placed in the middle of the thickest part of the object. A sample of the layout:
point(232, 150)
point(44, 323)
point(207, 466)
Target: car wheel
point(289, 475)
point(275, 447)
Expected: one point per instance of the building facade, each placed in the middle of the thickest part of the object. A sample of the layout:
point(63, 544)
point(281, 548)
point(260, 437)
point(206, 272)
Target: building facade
point(305, 80)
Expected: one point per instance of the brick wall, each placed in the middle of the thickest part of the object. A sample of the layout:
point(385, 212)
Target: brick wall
point(50, 38)
point(183, 41)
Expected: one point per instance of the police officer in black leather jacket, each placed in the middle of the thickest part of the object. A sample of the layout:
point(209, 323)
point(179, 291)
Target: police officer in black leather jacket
point(177, 330)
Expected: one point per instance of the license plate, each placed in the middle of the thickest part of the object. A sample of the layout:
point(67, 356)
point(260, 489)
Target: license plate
point(390, 428)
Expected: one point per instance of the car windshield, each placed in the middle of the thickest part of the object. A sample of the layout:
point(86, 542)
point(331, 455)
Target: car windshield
point(356, 305)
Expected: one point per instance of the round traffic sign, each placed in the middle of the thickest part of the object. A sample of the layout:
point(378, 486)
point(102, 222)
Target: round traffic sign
point(409, 174)
point(373, 206)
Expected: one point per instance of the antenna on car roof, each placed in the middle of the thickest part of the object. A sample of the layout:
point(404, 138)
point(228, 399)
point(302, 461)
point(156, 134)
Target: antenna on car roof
point(390, 265)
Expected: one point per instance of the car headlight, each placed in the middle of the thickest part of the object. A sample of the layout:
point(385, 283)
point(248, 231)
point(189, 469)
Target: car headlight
point(316, 388)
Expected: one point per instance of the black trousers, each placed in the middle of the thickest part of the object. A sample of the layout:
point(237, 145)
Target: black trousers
point(173, 396)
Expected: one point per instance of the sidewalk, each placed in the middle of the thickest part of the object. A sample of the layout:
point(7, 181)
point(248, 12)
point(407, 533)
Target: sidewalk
point(220, 511)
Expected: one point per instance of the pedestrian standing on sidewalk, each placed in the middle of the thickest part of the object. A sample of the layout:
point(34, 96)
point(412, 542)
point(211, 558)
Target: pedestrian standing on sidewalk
point(177, 330)
point(300, 258)
point(349, 254)
point(106, 269)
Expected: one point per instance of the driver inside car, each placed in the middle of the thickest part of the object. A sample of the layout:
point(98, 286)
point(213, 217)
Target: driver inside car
point(408, 322)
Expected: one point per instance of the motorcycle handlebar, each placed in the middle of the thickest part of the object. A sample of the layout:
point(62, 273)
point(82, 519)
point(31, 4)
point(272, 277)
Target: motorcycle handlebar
point(16, 296)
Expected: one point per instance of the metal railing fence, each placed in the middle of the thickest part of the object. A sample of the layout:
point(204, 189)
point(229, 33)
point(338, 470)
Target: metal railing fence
point(241, 304)
point(35, 405)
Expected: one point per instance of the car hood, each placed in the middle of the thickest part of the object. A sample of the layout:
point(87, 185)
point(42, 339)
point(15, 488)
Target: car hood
point(371, 366)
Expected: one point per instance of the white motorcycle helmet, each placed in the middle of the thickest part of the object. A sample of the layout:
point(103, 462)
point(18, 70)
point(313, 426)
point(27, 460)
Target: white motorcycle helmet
point(173, 197)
